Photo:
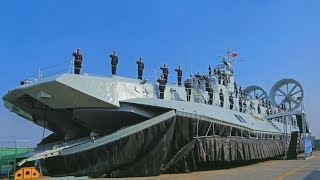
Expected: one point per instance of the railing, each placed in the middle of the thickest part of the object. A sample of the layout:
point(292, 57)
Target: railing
point(9, 152)
point(56, 69)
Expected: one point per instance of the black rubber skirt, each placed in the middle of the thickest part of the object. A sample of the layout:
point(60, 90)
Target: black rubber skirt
point(172, 146)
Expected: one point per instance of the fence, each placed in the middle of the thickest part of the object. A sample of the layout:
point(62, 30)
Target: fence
point(9, 152)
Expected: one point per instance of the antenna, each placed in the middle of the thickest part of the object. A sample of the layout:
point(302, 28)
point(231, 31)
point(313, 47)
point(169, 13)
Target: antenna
point(190, 59)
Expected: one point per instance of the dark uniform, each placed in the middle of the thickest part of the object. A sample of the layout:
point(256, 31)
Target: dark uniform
point(231, 101)
point(210, 92)
point(188, 89)
point(251, 105)
point(165, 72)
point(244, 106)
point(221, 98)
point(196, 80)
point(162, 86)
point(179, 73)
point(140, 68)
point(214, 71)
point(114, 62)
point(240, 105)
point(207, 82)
point(77, 61)
point(240, 92)
point(219, 75)
point(259, 109)
point(236, 89)
point(209, 70)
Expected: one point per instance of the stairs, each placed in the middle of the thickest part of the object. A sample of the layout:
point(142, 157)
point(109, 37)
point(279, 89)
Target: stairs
point(292, 150)
point(270, 120)
point(198, 96)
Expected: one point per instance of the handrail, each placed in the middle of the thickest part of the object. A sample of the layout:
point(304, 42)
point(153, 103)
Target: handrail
point(58, 71)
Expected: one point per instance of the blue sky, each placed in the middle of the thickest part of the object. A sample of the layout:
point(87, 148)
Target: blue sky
point(276, 39)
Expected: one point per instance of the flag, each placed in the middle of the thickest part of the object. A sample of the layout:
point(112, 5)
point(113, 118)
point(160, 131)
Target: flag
point(234, 54)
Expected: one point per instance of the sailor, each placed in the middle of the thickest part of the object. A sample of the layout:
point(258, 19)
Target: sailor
point(244, 92)
point(240, 104)
point(266, 103)
point(162, 86)
point(244, 106)
point(179, 74)
point(207, 82)
point(210, 92)
point(224, 80)
point(251, 105)
point(209, 70)
point(165, 71)
point(140, 68)
point(235, 89)
point(197, 77)
point(77, 61)
point(231, 101)
point(259, 109)
point(214, 71)
point(219, 75)
point(240, 91)
point(221, 98)
point(262, 101)
point(114, 62)
point(188, 89)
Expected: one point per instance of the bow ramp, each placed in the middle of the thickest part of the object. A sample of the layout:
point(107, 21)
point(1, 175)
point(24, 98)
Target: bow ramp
point(84, 144)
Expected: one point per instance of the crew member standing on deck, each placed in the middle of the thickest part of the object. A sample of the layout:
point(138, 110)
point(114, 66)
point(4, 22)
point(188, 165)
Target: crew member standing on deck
point(240, 104)
point(221, 98)
point(219, 75)
point(210, 92)
point(231, 101)
point(179, 73)
point(114, 62)
point(207, 82)
point(209, 70)
point(165, 72)
point(162, 86)
point(140, 68)
point(77, 61)
point(235, 89)
point(188, 89)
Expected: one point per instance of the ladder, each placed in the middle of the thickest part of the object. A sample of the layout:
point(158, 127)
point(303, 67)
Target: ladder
point(198, 96)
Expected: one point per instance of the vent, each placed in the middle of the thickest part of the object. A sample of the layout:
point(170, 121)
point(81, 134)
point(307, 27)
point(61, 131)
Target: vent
point(240, 118)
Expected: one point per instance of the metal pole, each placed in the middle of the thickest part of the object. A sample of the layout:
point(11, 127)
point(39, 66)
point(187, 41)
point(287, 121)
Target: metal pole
point(285, 136)
point(304, 134)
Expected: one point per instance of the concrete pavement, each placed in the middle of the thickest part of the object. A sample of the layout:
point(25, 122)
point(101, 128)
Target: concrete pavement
point(274, 169)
